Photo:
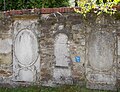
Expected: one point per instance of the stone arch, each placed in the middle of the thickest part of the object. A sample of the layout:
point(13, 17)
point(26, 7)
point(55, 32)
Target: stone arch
point(61, 50)
point(62, 59)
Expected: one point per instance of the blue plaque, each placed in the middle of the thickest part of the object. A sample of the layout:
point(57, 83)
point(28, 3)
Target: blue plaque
point(77, 58)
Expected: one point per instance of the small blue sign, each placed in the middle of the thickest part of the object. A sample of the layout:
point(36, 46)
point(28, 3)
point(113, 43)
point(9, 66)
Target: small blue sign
point(77, 58)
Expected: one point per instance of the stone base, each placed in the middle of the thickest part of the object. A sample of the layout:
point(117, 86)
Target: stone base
point(101, 86)
point(67, 81)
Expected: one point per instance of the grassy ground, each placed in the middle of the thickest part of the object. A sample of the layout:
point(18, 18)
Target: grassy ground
point(65, 88)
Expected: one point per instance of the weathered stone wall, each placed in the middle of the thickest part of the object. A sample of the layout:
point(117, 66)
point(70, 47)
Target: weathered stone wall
point(94, 41)
point(26, 57)
point(118, 59)
point(72, 26)
point(5, 50)
point(101, 54)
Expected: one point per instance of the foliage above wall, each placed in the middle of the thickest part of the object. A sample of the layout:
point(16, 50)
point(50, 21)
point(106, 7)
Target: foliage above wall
point(30, 4)
point(99, 6)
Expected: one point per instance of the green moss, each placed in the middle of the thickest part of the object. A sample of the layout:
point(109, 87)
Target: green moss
point(64, 88)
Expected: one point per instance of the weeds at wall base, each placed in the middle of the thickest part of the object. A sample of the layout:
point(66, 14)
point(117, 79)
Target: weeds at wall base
point(63, 88)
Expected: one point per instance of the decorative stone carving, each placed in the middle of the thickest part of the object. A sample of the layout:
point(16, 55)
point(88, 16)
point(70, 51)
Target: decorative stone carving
point(26, 64)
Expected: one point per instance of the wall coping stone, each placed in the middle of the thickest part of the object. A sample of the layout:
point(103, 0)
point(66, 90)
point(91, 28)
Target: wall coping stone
point(44, 11)
point(39, 11)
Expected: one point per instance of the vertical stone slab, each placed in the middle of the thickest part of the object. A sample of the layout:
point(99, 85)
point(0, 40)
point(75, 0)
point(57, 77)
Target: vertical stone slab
point(62, 71)
point(118, 55)
point(118, 37)
point(26, 52)
point(100, 72)
point(61, 50)
point(26, 59)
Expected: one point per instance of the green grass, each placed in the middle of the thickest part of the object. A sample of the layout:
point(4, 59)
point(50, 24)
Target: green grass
point(65, 88)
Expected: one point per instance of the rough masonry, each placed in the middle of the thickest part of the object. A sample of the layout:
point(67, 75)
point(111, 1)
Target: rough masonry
point(51, 49)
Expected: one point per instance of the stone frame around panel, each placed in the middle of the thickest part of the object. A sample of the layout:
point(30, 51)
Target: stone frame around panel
point(91, 71)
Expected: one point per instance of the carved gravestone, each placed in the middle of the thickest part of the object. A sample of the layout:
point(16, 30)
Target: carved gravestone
point(26, 59)
point(118, 45)
point(100, 69)
point(62, 71)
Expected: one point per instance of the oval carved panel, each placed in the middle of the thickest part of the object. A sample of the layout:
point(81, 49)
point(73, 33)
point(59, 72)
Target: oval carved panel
point(101, 50)
point(26, 47)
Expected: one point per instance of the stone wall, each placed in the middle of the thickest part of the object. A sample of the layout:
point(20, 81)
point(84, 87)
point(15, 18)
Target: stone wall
point(5, 50)
point(70, 49)
point(118, 59)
